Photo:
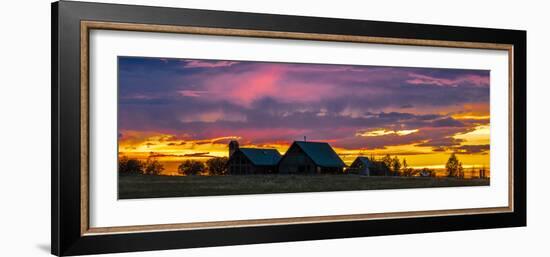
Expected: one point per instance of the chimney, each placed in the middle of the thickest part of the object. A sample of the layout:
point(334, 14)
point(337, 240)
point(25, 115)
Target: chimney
point(233, 147)
point(305, 138)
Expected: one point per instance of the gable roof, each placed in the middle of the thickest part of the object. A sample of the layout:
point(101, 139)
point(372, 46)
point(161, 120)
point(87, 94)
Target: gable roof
point(321, 154)
point(367, 162)
point(364, 160)
point(262, 157)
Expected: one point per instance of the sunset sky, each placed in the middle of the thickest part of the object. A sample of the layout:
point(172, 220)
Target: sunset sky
point(175, 109)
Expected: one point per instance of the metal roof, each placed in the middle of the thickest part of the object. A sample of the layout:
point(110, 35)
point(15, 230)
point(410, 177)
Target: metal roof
point(262, 157)
point(321, 153)
point(364, 160)
point(368, 162)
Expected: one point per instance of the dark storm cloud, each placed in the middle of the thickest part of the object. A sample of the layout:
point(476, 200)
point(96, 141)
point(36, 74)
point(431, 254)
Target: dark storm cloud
point(208, 99)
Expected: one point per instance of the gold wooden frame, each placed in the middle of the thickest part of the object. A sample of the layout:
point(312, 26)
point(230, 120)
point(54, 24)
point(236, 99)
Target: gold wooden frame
point(86, 26)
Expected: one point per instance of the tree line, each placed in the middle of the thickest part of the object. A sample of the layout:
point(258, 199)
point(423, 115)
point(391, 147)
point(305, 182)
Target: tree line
point(213, 166)
point(396, 167)
point(454, 168)
point(134, 166)
point(218, 166)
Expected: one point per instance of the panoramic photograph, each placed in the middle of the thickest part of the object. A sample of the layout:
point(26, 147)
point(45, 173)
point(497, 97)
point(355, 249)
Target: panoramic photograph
point(196, 127)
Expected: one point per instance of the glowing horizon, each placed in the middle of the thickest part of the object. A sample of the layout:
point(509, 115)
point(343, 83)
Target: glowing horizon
point(178, 109)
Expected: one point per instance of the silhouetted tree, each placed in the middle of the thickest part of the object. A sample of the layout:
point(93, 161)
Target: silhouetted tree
point(395, 165)
point(217, 165)
point(425, 172)
point(406, 171)
point(130, 166)
point(387, 160)
point(191, 167)
point(153, 167)
point(460, 170)
point(452, 166)
point(482, 172)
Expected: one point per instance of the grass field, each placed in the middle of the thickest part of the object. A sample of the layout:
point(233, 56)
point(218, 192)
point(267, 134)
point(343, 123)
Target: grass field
point(149, 186)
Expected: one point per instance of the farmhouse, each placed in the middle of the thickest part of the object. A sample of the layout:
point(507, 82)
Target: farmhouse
point(251, 160)
point(310, 158)
point(365, 166)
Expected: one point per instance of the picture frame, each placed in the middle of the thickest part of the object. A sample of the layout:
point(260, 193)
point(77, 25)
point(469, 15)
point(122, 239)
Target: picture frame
point(71, 230)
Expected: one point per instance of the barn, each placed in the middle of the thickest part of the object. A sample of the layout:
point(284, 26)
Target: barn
point(310, 158)
point(245, 161)
point(364, 166)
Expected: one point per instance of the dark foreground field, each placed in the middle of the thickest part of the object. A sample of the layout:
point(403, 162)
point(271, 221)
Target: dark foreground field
point(148, 186)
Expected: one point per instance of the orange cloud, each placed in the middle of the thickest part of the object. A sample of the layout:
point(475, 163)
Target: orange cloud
point(384, 132)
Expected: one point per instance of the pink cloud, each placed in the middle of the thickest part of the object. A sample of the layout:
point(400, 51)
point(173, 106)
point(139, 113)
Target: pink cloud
point(267, 81)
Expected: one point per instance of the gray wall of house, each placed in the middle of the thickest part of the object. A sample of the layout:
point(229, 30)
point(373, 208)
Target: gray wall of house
point(296, 161)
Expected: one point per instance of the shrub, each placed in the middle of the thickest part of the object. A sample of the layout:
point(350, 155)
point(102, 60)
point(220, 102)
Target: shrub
point(191, 167)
